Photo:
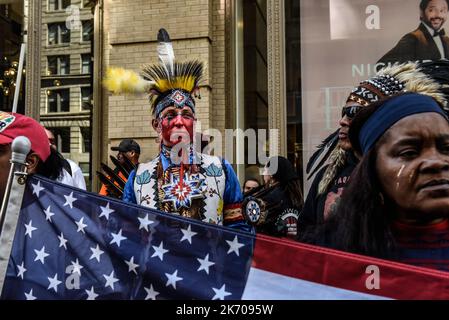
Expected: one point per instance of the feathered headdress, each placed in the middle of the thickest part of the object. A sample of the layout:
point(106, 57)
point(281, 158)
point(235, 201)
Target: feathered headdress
point(430, 79)
point(170, 83)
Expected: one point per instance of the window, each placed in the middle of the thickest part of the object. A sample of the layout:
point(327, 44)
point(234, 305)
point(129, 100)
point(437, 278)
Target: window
point(62, 136)
point(58, 100)
point(87, 30)
point(86, 144)
point(58, 33)
point(52, 34)
point(58, 4)
point(86, 96)
point(254, 89)
point(88, 3)
point(85, 63)
point(64, 65)
point(293, 86)
point(85, 168)
point(58, 65)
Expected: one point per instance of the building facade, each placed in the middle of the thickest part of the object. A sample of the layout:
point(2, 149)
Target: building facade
point(66, 77)
point(235, 93)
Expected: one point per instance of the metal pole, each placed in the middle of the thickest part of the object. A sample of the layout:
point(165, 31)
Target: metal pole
point(12, 201)
point(19, 77)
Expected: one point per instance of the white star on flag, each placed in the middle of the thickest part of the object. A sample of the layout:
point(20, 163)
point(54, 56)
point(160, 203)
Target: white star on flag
point(81, 225)
point(221, 293)
point(29, 229)
point(172, 279)
point(131, 265)
point(41, 255)
point(187, 234)
point(91, 295)
point(22, 270)
point(106, 211)
point(117, 238)
point(205, 264)
point(145, 222)
point(110, 280)
point(159, 251)
point(96, 253)
point(234, 246)
point(151, 293)
point(37, 188)
point(54, 282)
point(76, 267)
point(62, 241)
point(29, 295)
point(48, 214)
point(69, 200)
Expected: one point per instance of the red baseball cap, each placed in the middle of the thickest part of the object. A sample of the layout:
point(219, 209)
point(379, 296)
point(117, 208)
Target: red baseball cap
point(13, 125)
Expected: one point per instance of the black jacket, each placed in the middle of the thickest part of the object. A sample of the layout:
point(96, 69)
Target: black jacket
point(416, 45)
point(318, 207)
point(284, 216)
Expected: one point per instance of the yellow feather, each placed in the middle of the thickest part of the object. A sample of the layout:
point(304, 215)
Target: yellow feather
point(119, 80)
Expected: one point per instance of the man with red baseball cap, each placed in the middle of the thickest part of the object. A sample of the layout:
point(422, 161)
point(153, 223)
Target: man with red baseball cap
point(13, 125)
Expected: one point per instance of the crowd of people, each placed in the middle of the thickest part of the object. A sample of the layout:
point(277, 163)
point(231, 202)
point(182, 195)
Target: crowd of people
point(383, 191)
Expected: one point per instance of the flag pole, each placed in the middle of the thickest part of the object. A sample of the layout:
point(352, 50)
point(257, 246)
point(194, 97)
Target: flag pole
point(12, 201)
point(19, 77)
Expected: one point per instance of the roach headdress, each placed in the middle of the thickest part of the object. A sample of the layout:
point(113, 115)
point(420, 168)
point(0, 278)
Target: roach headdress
point(169, 83)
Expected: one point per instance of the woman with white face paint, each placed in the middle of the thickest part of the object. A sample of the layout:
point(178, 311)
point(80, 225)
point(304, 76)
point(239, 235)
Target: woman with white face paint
point(329, 183)
point(397, 203)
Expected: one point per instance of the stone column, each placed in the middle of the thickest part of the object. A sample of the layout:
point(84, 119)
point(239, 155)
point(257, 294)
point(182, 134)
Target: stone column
point(98, 140)
point(33, 59)
point(277, 102)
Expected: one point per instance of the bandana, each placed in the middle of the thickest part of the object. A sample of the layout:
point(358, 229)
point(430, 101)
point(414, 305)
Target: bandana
point(391, 112)
point(177, 98)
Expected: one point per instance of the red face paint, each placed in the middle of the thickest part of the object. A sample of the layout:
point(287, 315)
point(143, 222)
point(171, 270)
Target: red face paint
point(177, 125)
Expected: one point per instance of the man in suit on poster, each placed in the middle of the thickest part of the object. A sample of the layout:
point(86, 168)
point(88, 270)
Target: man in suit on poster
point(428, 41)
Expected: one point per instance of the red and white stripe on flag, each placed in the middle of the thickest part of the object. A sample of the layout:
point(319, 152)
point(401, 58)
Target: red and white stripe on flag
point(284, 269)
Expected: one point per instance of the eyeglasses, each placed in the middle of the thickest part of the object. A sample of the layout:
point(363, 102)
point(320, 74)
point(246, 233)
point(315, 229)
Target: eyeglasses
point(350, 111)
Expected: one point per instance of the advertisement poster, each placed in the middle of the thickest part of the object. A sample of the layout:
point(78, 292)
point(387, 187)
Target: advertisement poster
point(343, 43)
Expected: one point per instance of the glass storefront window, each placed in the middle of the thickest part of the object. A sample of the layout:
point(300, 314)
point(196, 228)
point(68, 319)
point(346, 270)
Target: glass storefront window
point(255, 82)
point(293, 84)
point(11, 24)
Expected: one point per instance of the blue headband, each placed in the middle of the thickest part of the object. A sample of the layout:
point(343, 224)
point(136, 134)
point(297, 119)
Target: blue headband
point(391, 112)
point(177, 98)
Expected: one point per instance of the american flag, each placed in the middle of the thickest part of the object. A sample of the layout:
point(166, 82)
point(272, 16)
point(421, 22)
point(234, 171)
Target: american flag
point(72, 244)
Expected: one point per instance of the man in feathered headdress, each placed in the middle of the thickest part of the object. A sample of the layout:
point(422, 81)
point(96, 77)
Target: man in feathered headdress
point(179, 180)
point(330, 181)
